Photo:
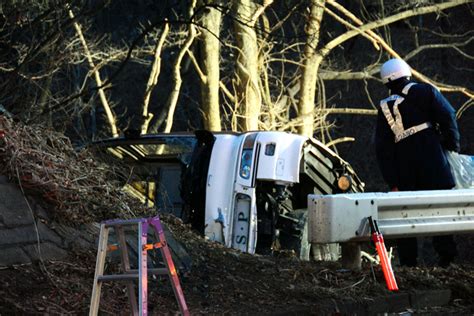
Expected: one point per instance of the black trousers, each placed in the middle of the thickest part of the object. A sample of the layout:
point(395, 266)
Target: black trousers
point(407, 249)
point(446, 249)
point(444, 245)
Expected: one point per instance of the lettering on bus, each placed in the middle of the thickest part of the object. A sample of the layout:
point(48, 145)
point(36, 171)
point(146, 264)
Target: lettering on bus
point(242, 225)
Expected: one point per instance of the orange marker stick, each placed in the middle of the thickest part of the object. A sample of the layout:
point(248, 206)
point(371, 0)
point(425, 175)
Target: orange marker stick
point(387, 270)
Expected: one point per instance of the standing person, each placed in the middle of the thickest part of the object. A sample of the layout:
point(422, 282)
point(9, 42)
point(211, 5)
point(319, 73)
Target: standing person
point(415, 126)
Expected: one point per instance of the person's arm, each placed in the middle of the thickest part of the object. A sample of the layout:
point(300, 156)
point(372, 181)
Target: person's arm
point(385, 152)
point(445, 116)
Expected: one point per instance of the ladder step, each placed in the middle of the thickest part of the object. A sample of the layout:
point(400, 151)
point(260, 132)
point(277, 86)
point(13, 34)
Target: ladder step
point(117, 277)
point(131, 275)
point(119, 222)
point(155, 271)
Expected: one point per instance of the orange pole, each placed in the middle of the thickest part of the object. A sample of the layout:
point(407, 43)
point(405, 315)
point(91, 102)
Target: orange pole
point(385, 262)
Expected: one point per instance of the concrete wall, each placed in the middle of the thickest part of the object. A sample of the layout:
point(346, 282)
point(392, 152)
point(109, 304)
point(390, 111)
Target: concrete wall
point(27, 232)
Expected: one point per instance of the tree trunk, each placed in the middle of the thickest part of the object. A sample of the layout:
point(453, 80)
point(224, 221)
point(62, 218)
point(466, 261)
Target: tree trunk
point(152, 80)
point(210, 52)
point(312, 61)
point(167, 114)
point(103, 98)
point(248, 93)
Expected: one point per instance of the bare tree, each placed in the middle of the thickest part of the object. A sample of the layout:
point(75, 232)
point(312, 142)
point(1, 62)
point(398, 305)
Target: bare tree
point(366, 30)
point(247, 66)
point(264, 73)
point(103, 98)
point(32, 52)
point(167, 113)
point(311, 62)
point(210, 59)
point(153, 80)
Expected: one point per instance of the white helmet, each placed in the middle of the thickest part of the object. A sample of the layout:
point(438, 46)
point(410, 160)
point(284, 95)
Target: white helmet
point(394, 69)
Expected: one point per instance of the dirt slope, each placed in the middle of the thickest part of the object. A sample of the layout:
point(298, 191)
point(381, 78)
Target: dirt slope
point(76, 189)
point(224, 281)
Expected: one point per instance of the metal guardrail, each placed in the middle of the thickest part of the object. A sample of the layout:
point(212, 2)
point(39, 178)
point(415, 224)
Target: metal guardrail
point(343, 217)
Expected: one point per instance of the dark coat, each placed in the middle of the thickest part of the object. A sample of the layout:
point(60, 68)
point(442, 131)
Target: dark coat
point(418, 162)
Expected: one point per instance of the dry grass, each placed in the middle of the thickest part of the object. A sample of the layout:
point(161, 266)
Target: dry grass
point(74, 185)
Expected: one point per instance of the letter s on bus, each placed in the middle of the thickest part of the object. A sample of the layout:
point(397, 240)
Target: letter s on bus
point(241, 239)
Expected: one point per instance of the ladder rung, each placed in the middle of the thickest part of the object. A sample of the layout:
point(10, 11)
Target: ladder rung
point(155, 245)
point(125, 222)
point(130, 275)
point(156, 271)
point(112, 247)
point(118, 277)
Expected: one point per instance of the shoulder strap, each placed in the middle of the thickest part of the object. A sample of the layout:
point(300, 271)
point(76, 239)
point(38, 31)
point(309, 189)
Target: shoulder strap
point(407, 88)
point(395, 123)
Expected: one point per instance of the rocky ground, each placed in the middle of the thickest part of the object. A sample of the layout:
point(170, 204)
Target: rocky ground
point(224, 281)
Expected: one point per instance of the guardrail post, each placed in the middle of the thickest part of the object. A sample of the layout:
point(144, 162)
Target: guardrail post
point(350, 256)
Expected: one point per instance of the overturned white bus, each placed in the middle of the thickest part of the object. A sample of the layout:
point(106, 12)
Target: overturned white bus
point(246, 190)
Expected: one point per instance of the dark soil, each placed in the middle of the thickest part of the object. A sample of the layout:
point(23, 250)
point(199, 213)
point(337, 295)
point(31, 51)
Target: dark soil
point(224, 281)
point(219, 281)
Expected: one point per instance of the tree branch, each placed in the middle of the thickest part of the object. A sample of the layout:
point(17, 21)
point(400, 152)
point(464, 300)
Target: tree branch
point(201, 74)
point(110, 115)
point(259, 11)
point(153, 80)
point(454, 46)
point(352, 27)
point(388, 20)
point(403, 15)
point(173, 98)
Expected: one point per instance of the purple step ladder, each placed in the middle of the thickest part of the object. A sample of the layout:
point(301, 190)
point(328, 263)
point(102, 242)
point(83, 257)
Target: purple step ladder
point(130, 276)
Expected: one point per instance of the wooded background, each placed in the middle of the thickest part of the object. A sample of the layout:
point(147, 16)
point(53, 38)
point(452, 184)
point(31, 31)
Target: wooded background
point(97, 69)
